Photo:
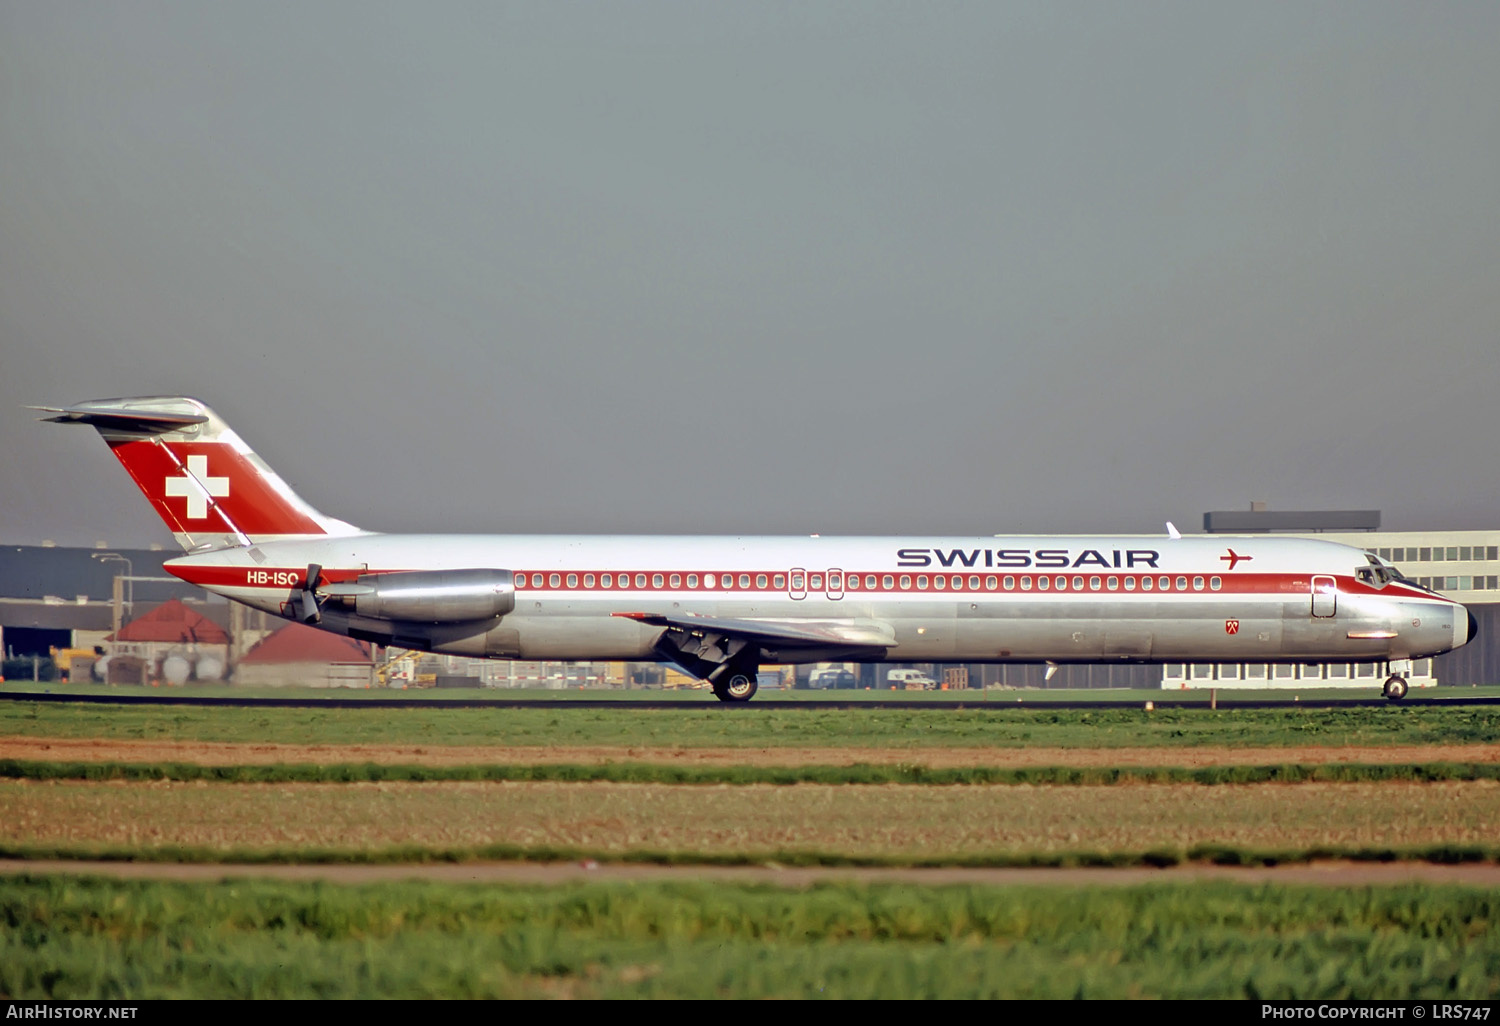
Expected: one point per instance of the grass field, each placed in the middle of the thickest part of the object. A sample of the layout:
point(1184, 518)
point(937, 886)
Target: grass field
point(65, 937)
point(763, 726)
point(87, 938)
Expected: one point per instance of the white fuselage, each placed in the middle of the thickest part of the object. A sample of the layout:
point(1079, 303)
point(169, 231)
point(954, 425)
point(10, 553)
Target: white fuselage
point(985, 599)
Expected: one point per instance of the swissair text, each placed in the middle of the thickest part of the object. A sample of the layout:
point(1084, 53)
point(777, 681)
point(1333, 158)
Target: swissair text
point(1114, 559)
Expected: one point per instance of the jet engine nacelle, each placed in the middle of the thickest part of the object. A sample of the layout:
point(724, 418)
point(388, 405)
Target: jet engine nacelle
point(430, 596)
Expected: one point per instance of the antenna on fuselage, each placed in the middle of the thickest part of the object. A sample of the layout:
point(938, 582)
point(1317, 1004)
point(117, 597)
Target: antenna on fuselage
point(1172, 531)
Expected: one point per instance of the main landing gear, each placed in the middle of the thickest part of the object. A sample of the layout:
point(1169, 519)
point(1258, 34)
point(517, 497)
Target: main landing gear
point(1395, 687)
point(734, 682)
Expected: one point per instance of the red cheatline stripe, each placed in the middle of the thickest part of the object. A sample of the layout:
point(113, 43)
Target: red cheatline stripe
point(905, 584)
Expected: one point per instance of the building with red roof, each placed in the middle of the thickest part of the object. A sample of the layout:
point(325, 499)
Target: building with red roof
point(171, 631)
point(301, 655)
point(172, 622)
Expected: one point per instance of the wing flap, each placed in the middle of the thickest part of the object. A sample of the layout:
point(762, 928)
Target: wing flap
point(807, 633)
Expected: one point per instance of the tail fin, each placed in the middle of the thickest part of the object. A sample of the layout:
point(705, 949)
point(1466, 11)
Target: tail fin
point(206, 484)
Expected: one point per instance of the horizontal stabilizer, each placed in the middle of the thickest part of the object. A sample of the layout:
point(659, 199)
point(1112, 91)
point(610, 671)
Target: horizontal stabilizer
point(123, 417)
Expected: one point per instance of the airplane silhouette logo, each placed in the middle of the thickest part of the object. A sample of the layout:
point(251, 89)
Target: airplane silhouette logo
point(1234, 559)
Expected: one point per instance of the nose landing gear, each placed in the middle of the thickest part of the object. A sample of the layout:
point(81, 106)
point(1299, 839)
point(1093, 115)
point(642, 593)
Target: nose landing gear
point(1395, 687)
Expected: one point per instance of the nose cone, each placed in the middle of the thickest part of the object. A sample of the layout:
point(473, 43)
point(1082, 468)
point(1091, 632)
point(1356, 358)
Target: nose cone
point(1465, 627)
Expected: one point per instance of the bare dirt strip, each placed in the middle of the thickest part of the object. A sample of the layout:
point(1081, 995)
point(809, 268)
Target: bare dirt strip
point(209, 753)
point(1327, 874)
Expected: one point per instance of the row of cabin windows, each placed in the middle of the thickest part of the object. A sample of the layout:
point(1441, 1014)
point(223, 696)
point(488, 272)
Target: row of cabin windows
point(869, 582)
point(1446, 554)
point(711, 581)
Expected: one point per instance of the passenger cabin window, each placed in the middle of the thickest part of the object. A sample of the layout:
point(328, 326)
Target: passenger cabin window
point(588, 580)
point(1026, 584)
point(710, 581)
point(640, 580)
point(1197, 584)
point(1146, 583)
point(1043, 583)
point(905, 581)
point(1078, 584)
point(797, 582)
point(779, 581)
point(676, 580)
point(555, 580)
point(1182, 584)
point(990, 583)
point(608, 580)
point(1009, 584)
point(572, 580)
point(887, 582)
point(973, 583)
point(869, 582)
point(940, 582)
point(1215, 583)
point(656, 580)
point(744, 580)
point(814, 582)
point(921, 582)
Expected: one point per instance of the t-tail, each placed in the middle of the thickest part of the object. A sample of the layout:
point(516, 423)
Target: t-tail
point(206, 484)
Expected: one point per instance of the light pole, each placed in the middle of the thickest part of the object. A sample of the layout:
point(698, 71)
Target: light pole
point(115, 557)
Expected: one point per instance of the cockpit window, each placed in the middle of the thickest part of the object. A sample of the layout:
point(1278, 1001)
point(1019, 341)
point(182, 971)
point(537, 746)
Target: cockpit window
point(1377, 574)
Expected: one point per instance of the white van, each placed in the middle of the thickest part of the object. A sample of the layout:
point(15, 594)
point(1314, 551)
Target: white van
point(911, 680)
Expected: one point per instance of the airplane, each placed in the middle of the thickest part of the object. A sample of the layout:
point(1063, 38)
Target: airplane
point(721, 607)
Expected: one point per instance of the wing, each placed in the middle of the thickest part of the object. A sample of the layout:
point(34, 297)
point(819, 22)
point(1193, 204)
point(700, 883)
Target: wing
point(700, 643)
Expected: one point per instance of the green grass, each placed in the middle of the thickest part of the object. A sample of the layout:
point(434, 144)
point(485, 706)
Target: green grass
point(82, 938)
point(764, 726)
point(649, 773)
point(1159, 857)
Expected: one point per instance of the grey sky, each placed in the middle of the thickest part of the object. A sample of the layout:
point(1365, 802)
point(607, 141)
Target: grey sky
point(760, 268)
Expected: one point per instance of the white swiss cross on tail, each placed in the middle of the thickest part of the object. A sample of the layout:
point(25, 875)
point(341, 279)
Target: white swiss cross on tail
point(197, 487)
